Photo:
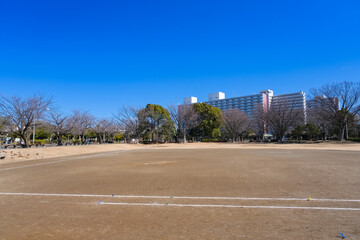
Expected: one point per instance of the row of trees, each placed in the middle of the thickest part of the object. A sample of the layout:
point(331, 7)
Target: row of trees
point(20, 117)
point(79, 123)
point(334, 110)
point(337, 106)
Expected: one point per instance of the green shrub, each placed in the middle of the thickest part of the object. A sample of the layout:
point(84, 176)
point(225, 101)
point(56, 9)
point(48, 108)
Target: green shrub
point(354, 139)
point(39, 142)
point(42, 133)
point(209, 140)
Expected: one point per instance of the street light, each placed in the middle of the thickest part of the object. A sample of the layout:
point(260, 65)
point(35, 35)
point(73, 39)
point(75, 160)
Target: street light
point(34, 129)
point(34, 132)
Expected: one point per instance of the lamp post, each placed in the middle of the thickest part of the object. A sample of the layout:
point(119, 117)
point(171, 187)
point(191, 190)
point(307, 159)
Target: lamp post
point(34, 128)
point(34, 131)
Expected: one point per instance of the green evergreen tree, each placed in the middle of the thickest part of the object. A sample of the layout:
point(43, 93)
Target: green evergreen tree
point(210, 121)
point(155, 123)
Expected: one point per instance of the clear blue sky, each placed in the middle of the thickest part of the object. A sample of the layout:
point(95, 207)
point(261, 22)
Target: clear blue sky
point(99, 55)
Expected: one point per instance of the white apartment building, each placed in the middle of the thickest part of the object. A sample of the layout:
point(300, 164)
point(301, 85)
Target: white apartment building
point(190, 100)
point(248, 104)
point(295, 100)
point(292, 100)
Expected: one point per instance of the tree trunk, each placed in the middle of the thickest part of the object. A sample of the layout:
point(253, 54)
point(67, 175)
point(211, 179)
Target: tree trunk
point(281, 137)
point(59, 140)
point(341, 136)
point(26, 143)
point(346, 132)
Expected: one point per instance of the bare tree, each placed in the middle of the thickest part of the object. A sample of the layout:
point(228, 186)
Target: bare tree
point(23, 113)
point(321, 117)
point(83, 121)
point(128, 120)
point(61, 125)
point(258, 123)
point(284, 115)
point(112, 128)
point(236, 123)
point(4, 125)
point(174, 114)
point(185, 118)
point(104, 127)
point(342, 101)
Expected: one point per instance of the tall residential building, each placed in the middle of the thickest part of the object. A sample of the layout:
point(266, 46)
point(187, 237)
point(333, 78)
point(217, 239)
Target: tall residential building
point(248, 104)
point(190, 100)
point(293, 101)
point(323, 102)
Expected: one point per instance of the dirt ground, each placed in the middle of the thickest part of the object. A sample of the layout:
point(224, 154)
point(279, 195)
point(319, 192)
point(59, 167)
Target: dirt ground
point(186, 192)
point(23, 154)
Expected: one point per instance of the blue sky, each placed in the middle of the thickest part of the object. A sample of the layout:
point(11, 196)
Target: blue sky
point(99, 55)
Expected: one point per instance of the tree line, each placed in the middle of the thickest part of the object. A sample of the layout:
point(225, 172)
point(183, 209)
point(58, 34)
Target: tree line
point(333, 112)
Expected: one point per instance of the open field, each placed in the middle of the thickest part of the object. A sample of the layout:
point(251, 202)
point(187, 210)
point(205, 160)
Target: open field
point(23, 154)
point(209, 191)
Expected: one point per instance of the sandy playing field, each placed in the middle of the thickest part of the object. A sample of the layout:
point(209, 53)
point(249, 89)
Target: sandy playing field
point(21, 154)
point(191, 191)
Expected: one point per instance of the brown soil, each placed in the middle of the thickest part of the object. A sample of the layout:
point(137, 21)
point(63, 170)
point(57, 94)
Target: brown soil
point(21, 154)
point(211, 171)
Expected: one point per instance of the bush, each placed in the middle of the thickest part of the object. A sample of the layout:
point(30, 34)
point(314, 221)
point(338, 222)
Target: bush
point(39, 142)
point(152, 142)
point(209, 140)
point(42, 133)
point(354, 139)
